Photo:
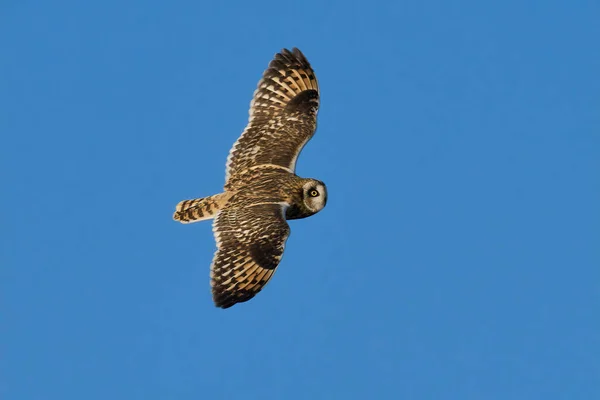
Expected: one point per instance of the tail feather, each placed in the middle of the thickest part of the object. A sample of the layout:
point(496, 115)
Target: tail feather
point(194, 210)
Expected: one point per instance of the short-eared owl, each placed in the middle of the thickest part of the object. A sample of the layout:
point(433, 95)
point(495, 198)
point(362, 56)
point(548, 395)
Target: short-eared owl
point(261, 189)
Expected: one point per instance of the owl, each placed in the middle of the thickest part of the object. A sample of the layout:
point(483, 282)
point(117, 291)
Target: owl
point(261, 188)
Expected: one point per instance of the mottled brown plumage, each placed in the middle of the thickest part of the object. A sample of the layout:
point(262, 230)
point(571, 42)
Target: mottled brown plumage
point(261, 188)
point(200, 209)
point(283, 116)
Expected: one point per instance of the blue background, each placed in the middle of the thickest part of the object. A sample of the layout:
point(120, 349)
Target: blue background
point(458, 256)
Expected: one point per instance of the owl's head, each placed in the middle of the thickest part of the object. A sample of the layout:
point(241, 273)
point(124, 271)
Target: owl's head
point(314, 195)
point(309, 199)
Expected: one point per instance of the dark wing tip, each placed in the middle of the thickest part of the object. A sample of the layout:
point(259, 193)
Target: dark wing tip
point(224, 299)
point(299, 55)
point(288, 58)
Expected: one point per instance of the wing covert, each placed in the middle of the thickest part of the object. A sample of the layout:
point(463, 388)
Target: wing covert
point(283, 116)
point(250, 244)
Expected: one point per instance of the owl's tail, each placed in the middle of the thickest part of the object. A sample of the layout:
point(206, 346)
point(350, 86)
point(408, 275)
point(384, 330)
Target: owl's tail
point(188, 211)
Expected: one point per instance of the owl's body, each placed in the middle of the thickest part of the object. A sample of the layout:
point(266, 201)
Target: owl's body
point(261, 190)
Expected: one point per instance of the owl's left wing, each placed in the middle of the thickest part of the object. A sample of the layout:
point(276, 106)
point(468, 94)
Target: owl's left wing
point(283, 116)
point(250, 244)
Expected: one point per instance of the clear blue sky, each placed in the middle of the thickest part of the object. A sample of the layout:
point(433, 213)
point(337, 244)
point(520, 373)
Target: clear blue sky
point(458, 256)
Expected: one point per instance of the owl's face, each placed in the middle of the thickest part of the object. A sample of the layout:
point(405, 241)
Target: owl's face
point(314, 195)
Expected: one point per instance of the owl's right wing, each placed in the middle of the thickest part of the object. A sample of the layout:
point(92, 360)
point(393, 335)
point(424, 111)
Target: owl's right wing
point(283, 116)
point(250, 244)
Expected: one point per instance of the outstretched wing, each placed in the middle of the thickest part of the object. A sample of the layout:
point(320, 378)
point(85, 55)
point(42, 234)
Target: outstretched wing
point(283, 116)
point(250, 243)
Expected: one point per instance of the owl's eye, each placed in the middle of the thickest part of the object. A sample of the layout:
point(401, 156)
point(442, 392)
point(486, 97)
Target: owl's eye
point(313, 193)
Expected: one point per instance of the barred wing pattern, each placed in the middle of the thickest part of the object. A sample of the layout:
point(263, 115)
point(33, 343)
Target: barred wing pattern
point(283, 116)
point(250, 244)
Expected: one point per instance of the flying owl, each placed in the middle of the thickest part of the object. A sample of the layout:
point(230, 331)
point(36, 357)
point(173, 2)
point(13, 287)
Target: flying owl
point(261, 188)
